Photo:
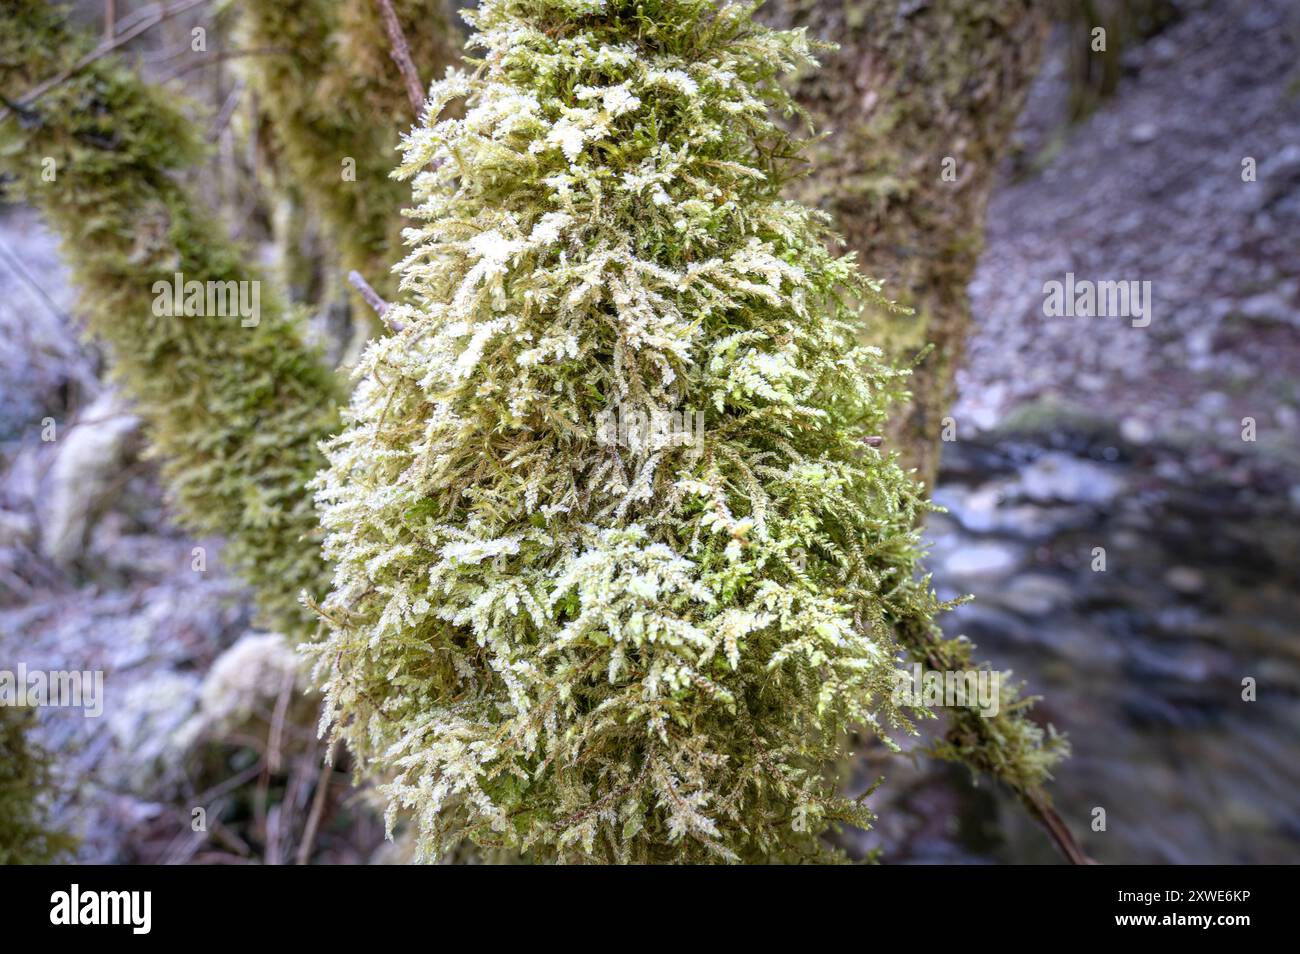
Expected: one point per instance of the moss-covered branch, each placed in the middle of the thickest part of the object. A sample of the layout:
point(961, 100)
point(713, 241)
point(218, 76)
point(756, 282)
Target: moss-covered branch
point(562, 633)
point(235, 403)
point(921, 103)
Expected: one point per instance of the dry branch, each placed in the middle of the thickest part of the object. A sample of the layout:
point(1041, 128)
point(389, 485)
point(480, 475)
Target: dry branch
point(401, 54)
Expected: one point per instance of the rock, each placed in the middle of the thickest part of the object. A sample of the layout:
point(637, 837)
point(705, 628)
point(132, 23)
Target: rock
point(975, 509)
point(90, 458)
point(1135, 430)
point(1279, 175)
point(1034, 594)
point(1055, 477)
point(1185, 580)
point(16, 529)
point(246, 681)
point(1143, 133)
point(981, 560)
point(1269, 307)
point(983, 510)
point(146, 721)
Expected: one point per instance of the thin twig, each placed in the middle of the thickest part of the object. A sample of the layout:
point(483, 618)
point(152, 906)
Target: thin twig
point(313, 819)
point(1038, 805)
point(229, 838)
point(129, 20)
point(220, 57)
point(274, 753)
point(15, 264)
point(227, 110)
point(272, 853)
point(401, 54)
point(372, 298)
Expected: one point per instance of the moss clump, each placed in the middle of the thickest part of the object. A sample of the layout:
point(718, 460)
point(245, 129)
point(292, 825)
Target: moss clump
point(558, 632)
point(234, 409)
point(25, 838)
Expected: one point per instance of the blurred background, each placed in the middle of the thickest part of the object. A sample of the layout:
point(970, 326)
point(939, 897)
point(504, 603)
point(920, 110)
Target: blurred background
point(1069, 435)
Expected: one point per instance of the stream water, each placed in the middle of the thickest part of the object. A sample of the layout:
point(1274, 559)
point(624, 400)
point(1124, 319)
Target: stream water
point(1141, 663)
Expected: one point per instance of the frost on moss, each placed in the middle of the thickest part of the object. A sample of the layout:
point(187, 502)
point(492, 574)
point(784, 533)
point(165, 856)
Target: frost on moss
point(583, 641)
point(234, 411)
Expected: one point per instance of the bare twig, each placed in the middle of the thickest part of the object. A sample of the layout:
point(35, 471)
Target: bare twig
point(222, 119)
point(272, 854)
point(229, 838)
point(110, 20)
point(313, 819)
point(220, 57)
point(129, 20)
point(274, 743)
point(15, 264)
point(1042, 809)
point(401, 54)
point(373, 300)
point(183, 847)
point(220, 858)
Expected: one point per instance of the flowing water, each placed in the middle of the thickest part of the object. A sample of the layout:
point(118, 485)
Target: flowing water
point(1142, 663)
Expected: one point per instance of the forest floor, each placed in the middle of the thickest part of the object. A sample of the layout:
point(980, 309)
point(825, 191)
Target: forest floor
point(1073, 434)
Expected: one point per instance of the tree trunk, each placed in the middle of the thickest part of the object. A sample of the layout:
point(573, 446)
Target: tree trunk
point(920, 100)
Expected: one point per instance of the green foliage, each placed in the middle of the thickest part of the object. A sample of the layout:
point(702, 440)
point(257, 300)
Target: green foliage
point(234, 412)
point(1008, 746)
point(24, 779)
point(590, 643)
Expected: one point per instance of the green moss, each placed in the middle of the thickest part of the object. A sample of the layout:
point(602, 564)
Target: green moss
point(903, 92)
point(25, 837)
point(589, 645)
point(234, 411)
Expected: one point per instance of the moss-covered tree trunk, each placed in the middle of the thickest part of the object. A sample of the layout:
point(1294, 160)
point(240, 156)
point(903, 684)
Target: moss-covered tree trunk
point(234, 402)
point(920, 100)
